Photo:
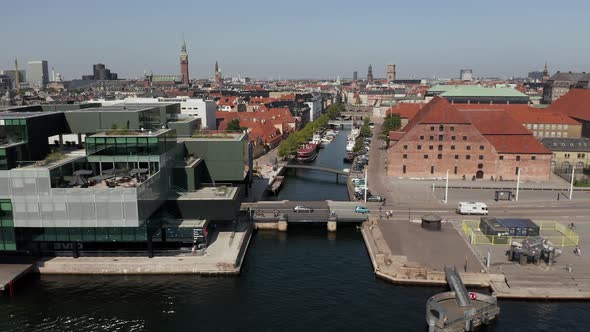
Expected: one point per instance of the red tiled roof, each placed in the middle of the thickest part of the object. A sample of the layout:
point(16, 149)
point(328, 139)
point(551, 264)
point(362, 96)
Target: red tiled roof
point(523, 113)
point(517, 144)
point(575, 104)
point(396, 135)
point(437, 111)
point(495, 122)
point(405, 110)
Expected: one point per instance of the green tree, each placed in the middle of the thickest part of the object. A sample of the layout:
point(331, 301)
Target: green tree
point(234, 125)
point(392, 122)
point(358, 146)
point(365, 131)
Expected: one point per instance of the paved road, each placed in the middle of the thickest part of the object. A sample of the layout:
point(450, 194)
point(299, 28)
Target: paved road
point(321, 211)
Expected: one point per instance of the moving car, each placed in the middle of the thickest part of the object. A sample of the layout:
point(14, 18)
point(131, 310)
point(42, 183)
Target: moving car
point(376, 198)
point(361, 209)
point(301, 208)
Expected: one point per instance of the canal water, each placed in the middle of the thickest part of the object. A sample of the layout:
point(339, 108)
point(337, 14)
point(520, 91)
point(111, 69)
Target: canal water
point(310, 185)
point(305, 279)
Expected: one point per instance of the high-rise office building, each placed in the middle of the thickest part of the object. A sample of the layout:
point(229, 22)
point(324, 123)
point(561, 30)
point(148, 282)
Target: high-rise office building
point(355, 75)
point(38, 73)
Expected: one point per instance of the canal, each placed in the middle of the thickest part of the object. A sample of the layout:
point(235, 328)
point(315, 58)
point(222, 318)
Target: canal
point(305, 279)
point(309, 185)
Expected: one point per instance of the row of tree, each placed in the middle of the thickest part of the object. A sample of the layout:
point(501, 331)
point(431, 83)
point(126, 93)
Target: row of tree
point(290, 145)
point(365, 131)
point(392, 122)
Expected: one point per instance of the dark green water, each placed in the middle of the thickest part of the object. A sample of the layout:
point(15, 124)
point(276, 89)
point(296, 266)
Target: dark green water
point(304, 280)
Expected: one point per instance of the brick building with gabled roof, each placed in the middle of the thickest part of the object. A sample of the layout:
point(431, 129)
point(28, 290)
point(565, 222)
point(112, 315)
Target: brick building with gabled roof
point(576, 105)
point(468, 143)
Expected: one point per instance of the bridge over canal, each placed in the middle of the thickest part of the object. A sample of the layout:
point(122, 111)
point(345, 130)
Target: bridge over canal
point(270, 214)
point(295, 167)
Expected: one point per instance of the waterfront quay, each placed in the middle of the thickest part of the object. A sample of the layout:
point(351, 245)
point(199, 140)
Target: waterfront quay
point(402, 251)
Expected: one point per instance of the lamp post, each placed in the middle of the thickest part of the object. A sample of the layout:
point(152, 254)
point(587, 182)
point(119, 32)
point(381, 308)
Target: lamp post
point(366, 183)
point(572, 182)
point(447, 188)
point(517, 183)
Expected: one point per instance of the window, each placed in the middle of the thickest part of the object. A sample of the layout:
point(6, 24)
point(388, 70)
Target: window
point(479, 166)
point(439, 156)
point(517, 158)
point(535, 126)
point(456, 157)
point(516, 171)
point(501, 157)
point(552, 134)
point(528, 125)
point(421, 137)
point(419, 147)
point(542, 126)
point(481, 147)
point(440, 137)
point(533, 157)
point(404, 169)
point(440, 148)
point(564, 134)
point(564, 127)
point(425, 156)
point(553, 126)
point(558, 127)
point(480, 157)
point(431, 147)
point(535, 133)
point(455, 170)
point(559, 134)
point(431, 138)
point(405, 147)
point(467, 157)
point(405, 156)
point(431, 128)
point(452, 128)
point(567, 155)
point(464, 138)
point(468, 147)
point(453, 138)
point(452, 147)
point(441, 128)
point(431, 169)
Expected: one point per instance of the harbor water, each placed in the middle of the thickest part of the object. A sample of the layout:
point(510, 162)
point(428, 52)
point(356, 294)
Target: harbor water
point(304, 279)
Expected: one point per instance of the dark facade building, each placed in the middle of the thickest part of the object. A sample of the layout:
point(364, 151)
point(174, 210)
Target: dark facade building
point(135, 180)
point(100, 73)
point(370, 74)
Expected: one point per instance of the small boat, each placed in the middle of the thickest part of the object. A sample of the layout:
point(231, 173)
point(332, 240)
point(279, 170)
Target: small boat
point(348, 158)
point(307, 152)
point(350, 146)
point(316, 139)
point(346, 170)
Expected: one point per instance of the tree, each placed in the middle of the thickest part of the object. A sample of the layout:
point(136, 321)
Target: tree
point(365, 131)
point(358, 146)
point(392, 122)
point(234, 125)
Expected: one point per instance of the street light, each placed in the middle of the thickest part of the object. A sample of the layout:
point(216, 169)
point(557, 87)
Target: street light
point(572, 182)
point(517, 183)
point(447, 188)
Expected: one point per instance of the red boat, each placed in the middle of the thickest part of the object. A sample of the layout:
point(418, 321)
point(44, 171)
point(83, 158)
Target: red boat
point(307, 153)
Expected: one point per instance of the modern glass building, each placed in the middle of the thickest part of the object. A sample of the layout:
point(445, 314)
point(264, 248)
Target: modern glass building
point(131, 182)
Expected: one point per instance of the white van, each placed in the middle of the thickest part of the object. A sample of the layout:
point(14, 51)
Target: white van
point(472, 208)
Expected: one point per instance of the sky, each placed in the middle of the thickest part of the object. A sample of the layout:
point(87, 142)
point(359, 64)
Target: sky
point(298, 39)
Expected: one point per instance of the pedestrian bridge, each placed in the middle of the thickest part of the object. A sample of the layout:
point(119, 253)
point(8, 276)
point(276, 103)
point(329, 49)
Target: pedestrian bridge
point(317, 168)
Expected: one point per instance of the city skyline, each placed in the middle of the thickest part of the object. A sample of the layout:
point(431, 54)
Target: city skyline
point(265, 40)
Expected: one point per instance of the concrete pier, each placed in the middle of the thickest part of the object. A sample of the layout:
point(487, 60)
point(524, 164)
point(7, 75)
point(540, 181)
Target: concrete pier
point(223, 257)
point(282, 225)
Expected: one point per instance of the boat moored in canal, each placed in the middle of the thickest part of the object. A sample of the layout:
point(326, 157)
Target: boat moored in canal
point(307, 153)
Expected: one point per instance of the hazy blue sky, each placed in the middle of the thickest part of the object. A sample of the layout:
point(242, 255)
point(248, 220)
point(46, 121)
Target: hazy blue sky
point(302, 38)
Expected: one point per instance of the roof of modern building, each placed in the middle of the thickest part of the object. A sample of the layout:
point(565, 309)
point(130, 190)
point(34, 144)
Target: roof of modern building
point(566, 144)
point(575, 104)
point(481, 91)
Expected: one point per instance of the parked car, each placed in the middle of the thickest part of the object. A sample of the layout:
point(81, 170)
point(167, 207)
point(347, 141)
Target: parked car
point(361, 209)
point(301, 208)
point(376, 198)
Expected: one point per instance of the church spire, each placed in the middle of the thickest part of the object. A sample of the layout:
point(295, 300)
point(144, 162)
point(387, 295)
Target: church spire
point(183, 49)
